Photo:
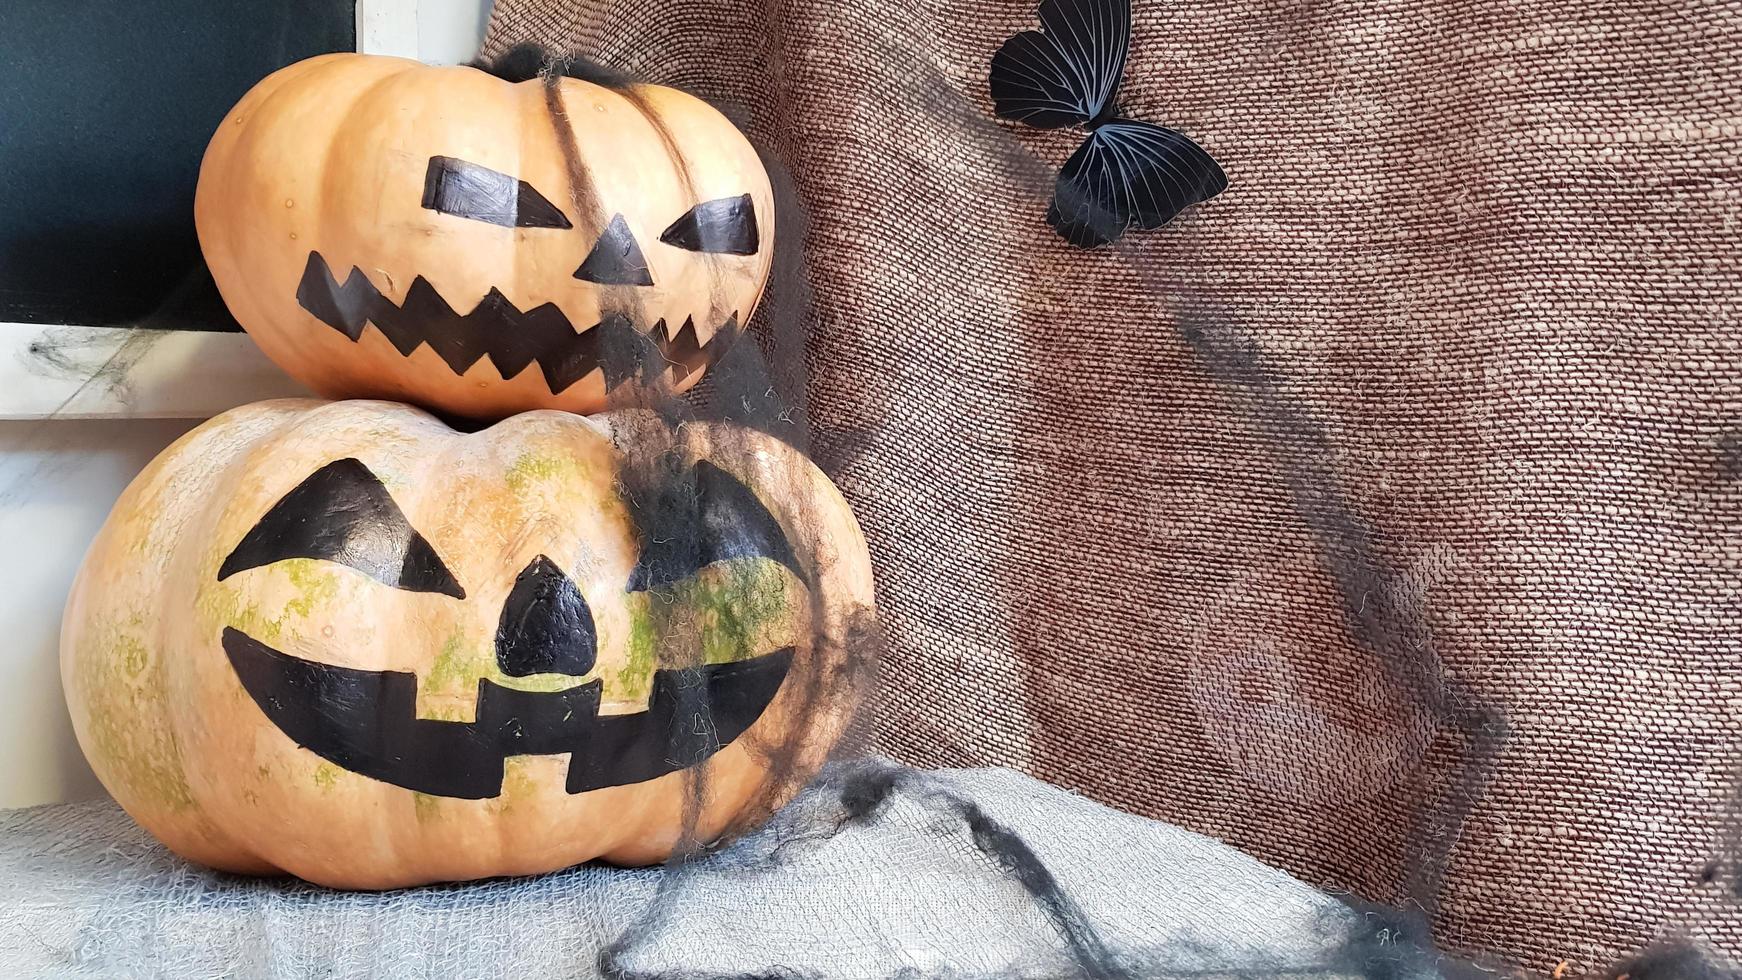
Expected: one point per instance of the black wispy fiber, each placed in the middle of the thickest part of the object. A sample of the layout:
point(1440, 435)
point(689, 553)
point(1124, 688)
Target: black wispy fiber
point(761, 385)
point(664, 501)
point(863, 795)
point(1729, 456)
point(525, 62)
point(760, 382)
point(1392, 944)
point(1377, 612)
point(1725, 867)
point(1012, 856)
point(1678, 960)
point(864, 790)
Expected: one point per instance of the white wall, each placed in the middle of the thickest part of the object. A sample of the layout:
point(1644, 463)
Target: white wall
point(58, 480)
point(449, 31)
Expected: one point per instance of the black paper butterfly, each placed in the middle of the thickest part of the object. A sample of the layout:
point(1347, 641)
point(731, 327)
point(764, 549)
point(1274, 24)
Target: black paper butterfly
point(1127, 172)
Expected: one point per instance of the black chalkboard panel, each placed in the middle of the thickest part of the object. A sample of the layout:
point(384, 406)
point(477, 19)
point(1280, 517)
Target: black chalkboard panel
point(105, 110)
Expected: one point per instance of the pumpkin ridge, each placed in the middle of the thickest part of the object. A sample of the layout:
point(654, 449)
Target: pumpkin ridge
point(180, 562)
point(218, 239)
point(583, 189)
point(681, 167)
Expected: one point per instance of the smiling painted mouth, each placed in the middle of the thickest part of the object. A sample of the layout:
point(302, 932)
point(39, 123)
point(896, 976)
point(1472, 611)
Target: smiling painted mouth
point(510, 337)
point(366, 721)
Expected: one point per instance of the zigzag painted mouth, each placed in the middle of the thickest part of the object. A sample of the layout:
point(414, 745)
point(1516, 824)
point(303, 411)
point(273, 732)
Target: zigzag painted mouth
point(510, 337)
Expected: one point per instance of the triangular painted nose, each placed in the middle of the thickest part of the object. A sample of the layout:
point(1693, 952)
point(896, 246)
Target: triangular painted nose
point(546, 627)
point(616, 258)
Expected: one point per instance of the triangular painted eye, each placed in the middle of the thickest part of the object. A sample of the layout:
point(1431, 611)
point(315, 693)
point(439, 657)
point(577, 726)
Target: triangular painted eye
point(695, 520)
point(616, 260)
point(726, 226)
point(468, 190)
point(344, 514)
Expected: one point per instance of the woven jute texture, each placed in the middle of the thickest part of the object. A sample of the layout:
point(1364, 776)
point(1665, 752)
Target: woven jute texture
point(1382, 517)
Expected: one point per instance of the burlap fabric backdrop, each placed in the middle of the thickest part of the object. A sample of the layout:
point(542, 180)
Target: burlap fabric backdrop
point(1451, 375)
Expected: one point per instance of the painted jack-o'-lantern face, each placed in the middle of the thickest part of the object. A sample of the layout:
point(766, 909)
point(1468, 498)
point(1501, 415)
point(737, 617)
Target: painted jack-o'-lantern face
point(345, 641)
point(366, 720)
point(443, 236)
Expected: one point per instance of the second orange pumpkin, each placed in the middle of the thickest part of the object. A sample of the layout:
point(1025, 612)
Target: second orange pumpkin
point(480, 246)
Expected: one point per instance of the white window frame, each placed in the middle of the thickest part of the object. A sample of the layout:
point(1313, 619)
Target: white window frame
point(72, 371)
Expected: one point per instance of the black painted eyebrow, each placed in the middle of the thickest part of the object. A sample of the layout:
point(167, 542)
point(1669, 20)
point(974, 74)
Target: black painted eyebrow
point(344, 514)
point(726, 226)
point(468, 190)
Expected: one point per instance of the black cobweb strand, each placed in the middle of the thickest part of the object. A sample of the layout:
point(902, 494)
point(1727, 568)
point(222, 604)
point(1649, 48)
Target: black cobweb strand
point(934, 98)
point(862, 792)
point(838, 677)
point(1012, 855)
point(865, 794)
point(863, 797)
point(1388, 943)
point(1233, 360)
point(833, 674)
point(1394, 631)
point(759, 385)
point(761, 380)
point(749, 389)
point(1677, 959)
point(663, 501)
point(527, 61)
point(1724, 869)
point(1347, 540)
point(1484, 732)
point(55, 352)
point(742, 389)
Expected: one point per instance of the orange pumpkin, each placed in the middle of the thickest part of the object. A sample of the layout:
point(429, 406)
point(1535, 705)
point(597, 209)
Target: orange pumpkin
point(344, 641)
point(439, 235)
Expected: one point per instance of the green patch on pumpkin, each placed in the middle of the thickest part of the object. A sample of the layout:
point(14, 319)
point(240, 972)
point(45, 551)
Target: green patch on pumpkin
point(729, 612)
point(634, 680)
point(518, 785)
point(221, 603)
point(132, 656)
point(457, 667)
point(543, 683)
point(121, 686)
point(428, 808)
point(447, 691)
point(314, 586)
point(140, 546)
point(532, 468)
point(445, 711)
point(740, 608)
point(462, 662)
point(326, 776)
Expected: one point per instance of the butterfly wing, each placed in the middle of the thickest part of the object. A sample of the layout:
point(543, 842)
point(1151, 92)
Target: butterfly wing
point(1067, 73)
point(1130, 173)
